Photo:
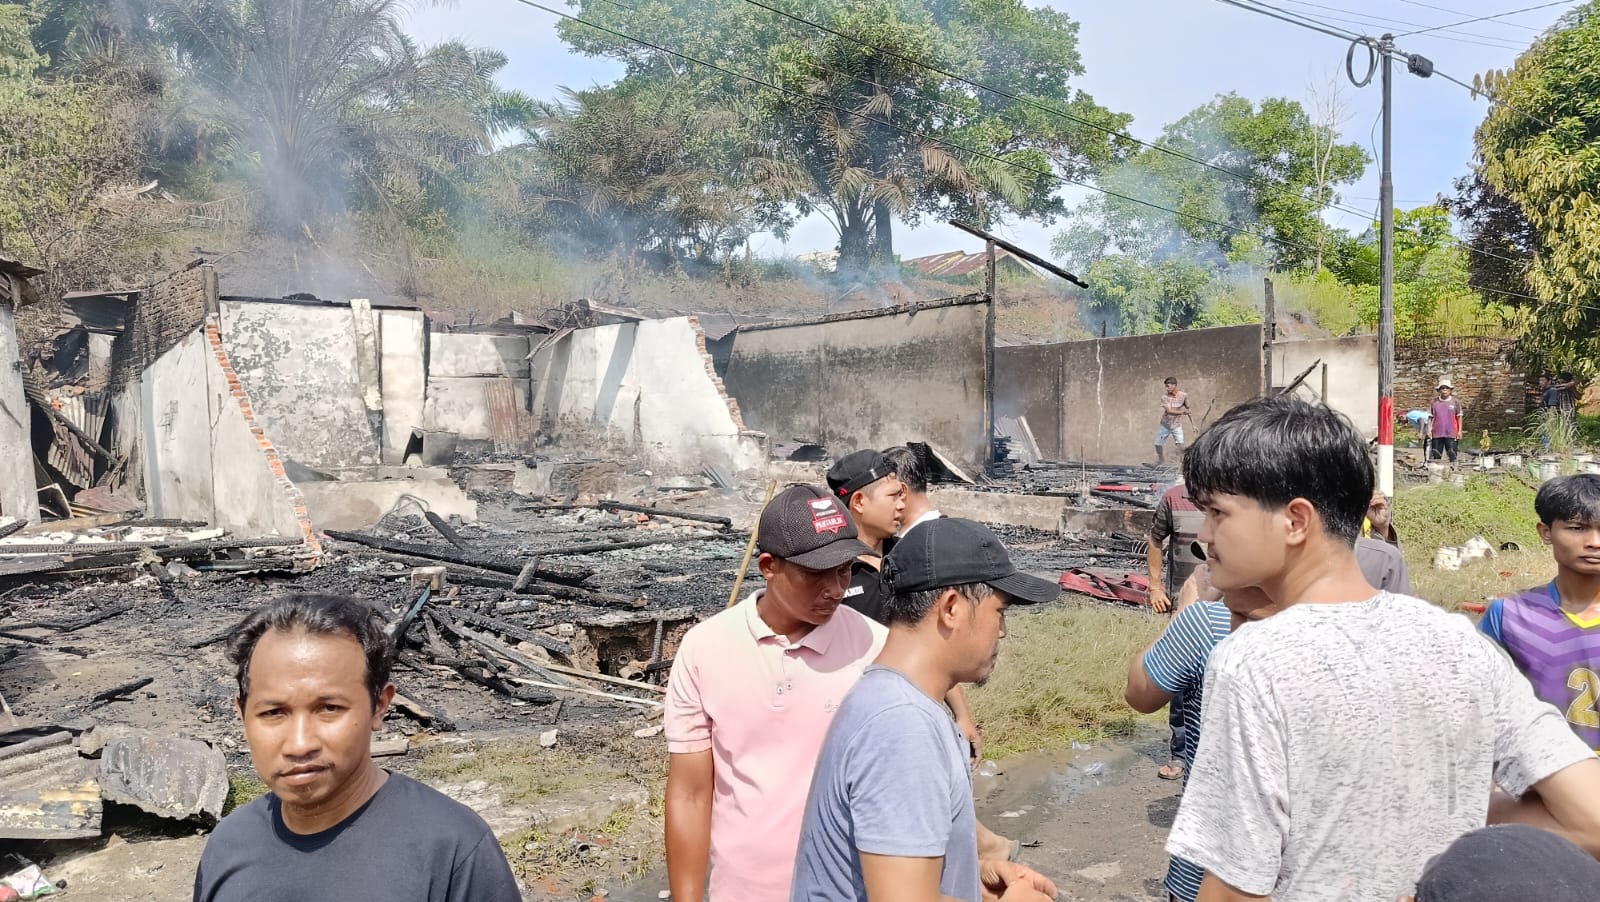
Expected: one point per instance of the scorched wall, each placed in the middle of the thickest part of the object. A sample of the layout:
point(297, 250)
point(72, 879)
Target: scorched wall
point(870, 380)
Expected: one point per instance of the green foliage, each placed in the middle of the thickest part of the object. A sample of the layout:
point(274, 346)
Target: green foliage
point(62, 147)
point(1540, 148)
point(1498, 507)
point(1164, 270)
point(641, 170)
point(823, 143)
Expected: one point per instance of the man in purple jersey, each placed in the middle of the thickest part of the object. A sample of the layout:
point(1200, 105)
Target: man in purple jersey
point(1553, 631)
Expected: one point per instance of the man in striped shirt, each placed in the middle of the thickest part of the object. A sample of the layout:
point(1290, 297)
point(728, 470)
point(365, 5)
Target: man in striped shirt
point(1171, 672)
point(1553, 631)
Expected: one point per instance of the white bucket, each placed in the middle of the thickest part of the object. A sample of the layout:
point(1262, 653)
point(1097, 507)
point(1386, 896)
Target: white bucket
point(1512, 460)
point(1436, 474)
point(1548, 470)
point(1486, 461)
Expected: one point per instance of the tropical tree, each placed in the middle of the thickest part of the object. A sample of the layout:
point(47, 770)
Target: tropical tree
point(856, 128)
point(330, 101)
point(1539, 156)
point(640, 169)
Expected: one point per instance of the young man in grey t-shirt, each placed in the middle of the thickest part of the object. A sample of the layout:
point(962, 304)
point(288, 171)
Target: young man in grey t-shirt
point(890, 813)
point(1348, 735)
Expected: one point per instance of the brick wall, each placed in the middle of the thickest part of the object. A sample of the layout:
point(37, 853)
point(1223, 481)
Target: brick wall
point(240, 396)
point(1492, 386)
point(716, 380)
point(165, 313)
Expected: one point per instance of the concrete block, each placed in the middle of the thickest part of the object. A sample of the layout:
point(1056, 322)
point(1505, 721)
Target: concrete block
point(357, 505)
point(164, 775)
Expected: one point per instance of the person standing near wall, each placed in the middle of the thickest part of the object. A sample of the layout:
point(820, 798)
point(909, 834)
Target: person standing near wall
point(1171, 559)
point(1174, 407)
point(1447, 421)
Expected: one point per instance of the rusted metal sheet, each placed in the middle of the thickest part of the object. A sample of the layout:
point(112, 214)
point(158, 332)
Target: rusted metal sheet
point(505, 414)
point(47, 791)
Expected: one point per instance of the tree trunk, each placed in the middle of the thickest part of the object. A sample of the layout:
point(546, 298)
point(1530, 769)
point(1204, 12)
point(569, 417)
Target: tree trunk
point(883, 234)
point(855, 252)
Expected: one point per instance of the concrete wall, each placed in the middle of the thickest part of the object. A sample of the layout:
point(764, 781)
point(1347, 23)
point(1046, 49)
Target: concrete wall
point(1349, 371)
point(1110, 388)
point(1492, 385)
point(461, 365)
point(403, 356)
point(301, 365)
point(1028, 383)
point(202, 457)
point(19, 496)
point(870, 380)
point(176, 408)
point(648, 387)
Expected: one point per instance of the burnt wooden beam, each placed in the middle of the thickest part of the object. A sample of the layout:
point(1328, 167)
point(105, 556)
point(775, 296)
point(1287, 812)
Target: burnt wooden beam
point(724, 522)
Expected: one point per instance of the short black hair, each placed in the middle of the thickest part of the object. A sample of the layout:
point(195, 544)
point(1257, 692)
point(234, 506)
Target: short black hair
point(1170, 380)
point(1575, 498)
point(1274, 450)
point(323, 615)
point(1566, 376)
point(907, 464)
point(910, 607)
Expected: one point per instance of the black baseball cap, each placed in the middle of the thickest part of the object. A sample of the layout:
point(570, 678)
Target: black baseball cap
point(808, 527)
point(1511, 861)
point(857, 470)
point(955, 552)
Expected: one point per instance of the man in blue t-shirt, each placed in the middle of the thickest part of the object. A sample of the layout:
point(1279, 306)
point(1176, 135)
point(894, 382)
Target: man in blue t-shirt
point(1172, 672)
point(890, 812)
point(313, 675)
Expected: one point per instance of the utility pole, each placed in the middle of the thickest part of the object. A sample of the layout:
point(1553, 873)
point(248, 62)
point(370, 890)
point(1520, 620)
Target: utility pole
point(1386, 281)
point(1269, 337)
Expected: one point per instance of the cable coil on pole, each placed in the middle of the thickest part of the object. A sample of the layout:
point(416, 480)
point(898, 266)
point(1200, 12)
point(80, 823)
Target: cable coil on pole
point(1374, 54)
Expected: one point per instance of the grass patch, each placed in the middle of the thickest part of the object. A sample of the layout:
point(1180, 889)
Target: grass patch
point(243, 788)
point(523, 770)
point(1061, 676)
point(1480, 581)
point(1497, 506)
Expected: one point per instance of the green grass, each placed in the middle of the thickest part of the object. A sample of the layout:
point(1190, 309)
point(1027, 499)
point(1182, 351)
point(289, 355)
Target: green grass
point(243, 788)
point(1497, 506)
point(1061, 676)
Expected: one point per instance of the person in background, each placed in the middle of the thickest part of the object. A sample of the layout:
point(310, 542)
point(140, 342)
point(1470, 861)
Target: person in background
point(1446, 416)
point(749, 699)
point(890, 816)
point(912, 470)
point(1172, 672)
point(1174, 407)
point(1552, 632)
point(1348, 734)
point(1380, 520)
point(1420, 420)
point(1171, 559)
point(865, 484)
point(313, 678)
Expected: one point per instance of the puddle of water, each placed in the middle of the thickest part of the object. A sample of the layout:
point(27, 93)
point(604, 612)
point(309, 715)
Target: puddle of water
point(1029, 791)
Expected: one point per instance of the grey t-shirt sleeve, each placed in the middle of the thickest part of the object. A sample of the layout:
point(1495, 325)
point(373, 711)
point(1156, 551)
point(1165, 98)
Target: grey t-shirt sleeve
point(484, 875)
point(1234, 818)
point(900, 786)
point(1532, 738)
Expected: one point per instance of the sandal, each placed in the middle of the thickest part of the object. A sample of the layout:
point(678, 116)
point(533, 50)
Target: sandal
point(1172, 771)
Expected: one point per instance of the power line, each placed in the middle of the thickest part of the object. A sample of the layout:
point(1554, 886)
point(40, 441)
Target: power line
point(1462, 37)
point(1293, 18)
point(912, 132)
point(977, 153)
point(1457, 12)
point(1514, 12)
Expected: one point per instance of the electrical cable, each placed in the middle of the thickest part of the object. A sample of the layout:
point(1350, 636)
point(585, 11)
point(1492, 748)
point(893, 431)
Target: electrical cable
point(1457, 12)
point(1292, 18)
point(1515, 12)
point(1365, 20)
point(1041, 173)
point(1283, 242)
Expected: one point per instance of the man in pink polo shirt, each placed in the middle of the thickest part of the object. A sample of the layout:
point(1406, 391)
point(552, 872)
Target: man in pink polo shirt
point(752, 692)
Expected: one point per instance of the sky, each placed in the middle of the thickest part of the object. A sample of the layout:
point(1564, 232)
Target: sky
point(1155, 60)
